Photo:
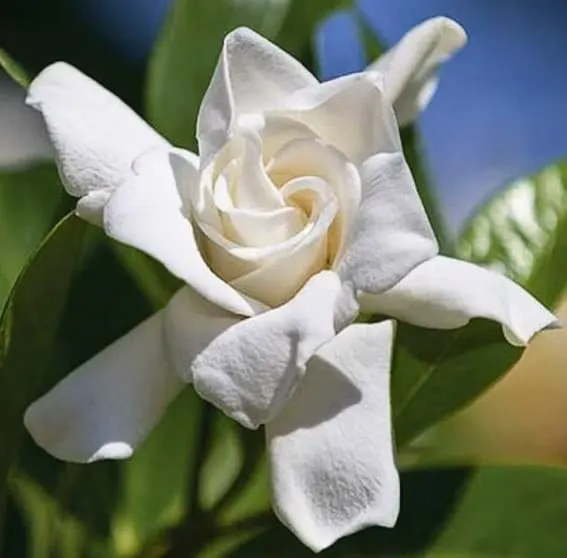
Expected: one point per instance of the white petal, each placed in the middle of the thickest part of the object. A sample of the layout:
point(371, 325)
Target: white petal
point(331, 447)
point(190, 324)
point(350, 113)
point(96, 136)
point(391, 232)
point(304, 255)
point(106, 407)
point(409, 69)
point(309, 157)
point(147, 213)
point(444, 293)
point(251, 369)
point(251, 75)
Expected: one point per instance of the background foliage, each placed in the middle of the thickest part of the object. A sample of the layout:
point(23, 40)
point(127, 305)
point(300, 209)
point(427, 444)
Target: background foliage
point(198, 486)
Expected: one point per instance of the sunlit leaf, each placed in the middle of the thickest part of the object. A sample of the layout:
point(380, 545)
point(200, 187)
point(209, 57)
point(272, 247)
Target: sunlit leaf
point(438, 372)
point(522, 232)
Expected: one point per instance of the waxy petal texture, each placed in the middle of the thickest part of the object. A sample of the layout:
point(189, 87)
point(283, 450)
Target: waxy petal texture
point(251, 76)
point(190, 324)
point(96, 136)
point(250, 370)
point(409, 69)
point(391, 233)
point(331, 448)
point(107, 406)
point(444, 293)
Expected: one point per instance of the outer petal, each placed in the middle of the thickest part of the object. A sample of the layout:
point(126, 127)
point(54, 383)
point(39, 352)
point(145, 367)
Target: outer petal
point(190, 324)
point(106, 407)
point(250, 370)
point(409, 69)
point(350, 113)
point(147, 213)
point(331, 448)
point(444, 293)
point(251, 75)
point(96, 136)
point(391, 233)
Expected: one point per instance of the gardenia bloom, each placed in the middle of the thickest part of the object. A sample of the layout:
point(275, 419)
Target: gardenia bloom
point(298, 213)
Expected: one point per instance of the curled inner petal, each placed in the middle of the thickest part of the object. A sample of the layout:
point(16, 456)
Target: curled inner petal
point(273, 206)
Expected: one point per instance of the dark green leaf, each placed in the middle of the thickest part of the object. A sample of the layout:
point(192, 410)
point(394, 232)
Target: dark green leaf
point(522, 231)
point(31, 201)
point(185, 55)
point(435, 372)
point(413, 152)
point(515, 512)
point(28, 328)
point(104, 302)
point(155, 488)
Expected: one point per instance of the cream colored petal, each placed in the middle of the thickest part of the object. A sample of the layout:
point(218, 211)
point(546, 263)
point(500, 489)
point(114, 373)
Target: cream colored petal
point(251, 75)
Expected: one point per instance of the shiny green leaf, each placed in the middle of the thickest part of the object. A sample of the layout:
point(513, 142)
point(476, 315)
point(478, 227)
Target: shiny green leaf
point(522, 232)
point(436, 372)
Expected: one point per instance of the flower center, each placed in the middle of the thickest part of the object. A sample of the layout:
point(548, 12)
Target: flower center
point(270, 214)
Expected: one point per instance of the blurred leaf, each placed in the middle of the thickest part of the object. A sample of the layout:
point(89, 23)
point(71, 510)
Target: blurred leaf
point(151, 277)
point(459, 512)
point(185, 55)
point(373, 46)
point(51, 531)
point(414, 155)
point(28, 328)
point(155, 486)
point(522, 232)
point(301, 22)
point(104, 302)
point(14, 70)
point(436, 372)
point(31, 201)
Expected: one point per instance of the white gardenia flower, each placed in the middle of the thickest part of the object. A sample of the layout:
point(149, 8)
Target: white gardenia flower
point(298, 213)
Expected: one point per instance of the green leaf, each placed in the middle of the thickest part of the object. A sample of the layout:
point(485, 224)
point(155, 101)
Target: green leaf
point(28, 327)
point(436, 372)
point(414, 155)
point(522, 231)
point(14, 70)
point(31, 202)
point(301, 21)
point(487, 512)
point(155, 487)
point(186, 52)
